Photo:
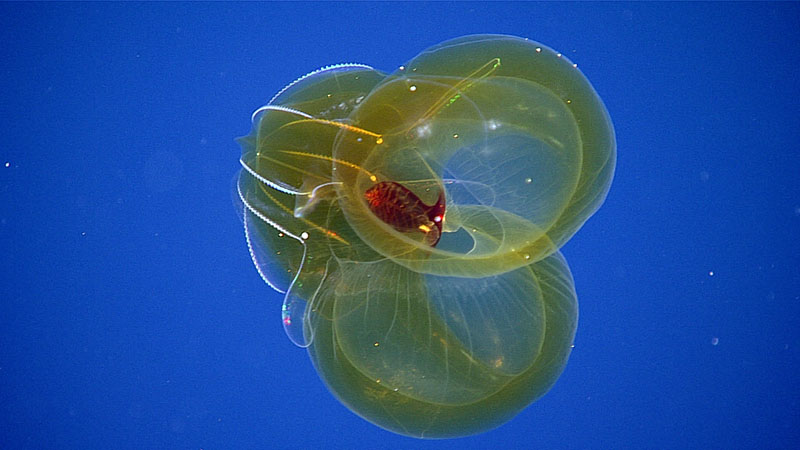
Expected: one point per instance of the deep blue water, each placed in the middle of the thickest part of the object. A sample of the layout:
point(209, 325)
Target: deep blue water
point(131, 315)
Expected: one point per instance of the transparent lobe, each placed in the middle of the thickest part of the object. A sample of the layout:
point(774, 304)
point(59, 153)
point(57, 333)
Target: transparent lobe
point(413, 221)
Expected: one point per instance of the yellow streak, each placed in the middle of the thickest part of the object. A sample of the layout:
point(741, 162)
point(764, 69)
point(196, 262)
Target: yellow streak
point(453, 93)
point(324, 230)
point(289, 166)
point(371, 175)
point(343, 126)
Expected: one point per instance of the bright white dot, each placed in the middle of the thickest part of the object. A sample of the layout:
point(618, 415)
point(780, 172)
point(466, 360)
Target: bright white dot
point(304, 235)
point(412, 88)
point(711, 273)
point(8, 164)
point(538, 50)
point(528, 181)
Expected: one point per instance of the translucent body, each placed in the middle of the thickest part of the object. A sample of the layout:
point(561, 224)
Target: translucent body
point(413, 223)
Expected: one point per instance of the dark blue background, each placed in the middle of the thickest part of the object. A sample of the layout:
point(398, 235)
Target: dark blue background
point(131, 315)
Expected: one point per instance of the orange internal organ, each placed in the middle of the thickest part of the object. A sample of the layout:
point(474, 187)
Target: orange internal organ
point(397, 206)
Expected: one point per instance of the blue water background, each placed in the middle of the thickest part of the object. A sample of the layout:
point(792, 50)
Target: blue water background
point(131, 315)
